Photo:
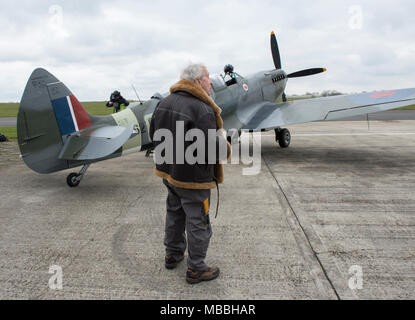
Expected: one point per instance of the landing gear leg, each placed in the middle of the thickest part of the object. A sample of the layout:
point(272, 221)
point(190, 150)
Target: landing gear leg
point(149, 152)
point(283, 137)
point(73, 179)
point(233, 136)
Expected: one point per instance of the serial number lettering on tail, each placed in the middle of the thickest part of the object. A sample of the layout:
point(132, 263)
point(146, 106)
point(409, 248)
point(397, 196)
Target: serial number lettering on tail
point(217, 309)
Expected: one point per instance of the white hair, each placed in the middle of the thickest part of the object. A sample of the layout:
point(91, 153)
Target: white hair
point(192, 72)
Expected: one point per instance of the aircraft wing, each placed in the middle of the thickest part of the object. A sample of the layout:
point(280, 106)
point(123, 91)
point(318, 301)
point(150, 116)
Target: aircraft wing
point(95, 143)
point(269, 115)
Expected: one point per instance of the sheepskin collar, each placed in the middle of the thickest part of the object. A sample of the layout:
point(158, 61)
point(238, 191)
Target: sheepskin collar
point(196, 90)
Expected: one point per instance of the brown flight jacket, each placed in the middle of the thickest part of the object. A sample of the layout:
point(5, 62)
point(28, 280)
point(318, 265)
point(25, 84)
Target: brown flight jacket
point(189, 103)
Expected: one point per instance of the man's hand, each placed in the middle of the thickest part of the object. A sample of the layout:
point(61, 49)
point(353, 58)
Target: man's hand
point(110, 103)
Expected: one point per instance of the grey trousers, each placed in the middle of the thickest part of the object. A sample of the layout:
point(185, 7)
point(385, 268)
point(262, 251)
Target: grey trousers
point(188, 212)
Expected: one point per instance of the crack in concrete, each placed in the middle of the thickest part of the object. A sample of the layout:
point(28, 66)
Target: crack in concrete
point(291, 210)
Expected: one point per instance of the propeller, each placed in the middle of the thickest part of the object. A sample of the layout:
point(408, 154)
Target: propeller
point(306, 72)
point(277, 63)
point(275, 52)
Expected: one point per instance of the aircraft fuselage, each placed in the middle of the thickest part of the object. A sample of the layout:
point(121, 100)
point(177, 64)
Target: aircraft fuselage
point(38, 128)
point(234, 100)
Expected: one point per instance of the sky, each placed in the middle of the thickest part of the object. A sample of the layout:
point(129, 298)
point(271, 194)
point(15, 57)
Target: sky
point(95, 47)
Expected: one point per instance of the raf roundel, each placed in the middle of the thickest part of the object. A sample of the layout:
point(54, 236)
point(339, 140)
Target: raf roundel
point(245, 86)
point(382, 94)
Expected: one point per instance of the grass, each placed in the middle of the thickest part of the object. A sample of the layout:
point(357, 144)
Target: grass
point(8, 110)
point(98, 108)
point(9, 132)
point(412, 107)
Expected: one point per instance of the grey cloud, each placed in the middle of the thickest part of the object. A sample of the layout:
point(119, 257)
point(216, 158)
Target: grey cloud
point(103, 45)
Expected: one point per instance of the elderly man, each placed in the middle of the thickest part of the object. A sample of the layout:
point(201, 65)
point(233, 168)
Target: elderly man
point(189, 184)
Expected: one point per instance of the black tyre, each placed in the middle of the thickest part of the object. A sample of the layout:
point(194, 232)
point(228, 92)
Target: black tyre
point(72, 180)
point(284, 138)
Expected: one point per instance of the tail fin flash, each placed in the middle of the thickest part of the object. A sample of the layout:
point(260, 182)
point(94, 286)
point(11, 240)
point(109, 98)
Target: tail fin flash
point(48, 113)
point(70, 114)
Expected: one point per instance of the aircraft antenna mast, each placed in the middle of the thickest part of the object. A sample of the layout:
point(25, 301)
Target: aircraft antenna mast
point(136, 94)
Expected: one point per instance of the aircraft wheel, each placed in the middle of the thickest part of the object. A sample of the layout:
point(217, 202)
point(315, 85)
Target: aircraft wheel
point(284, 138)
point(72, 180)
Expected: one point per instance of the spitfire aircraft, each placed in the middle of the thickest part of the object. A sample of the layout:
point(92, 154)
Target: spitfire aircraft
point(56, 133)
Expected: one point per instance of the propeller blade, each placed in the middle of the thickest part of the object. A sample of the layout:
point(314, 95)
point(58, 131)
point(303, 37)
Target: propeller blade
point(306, 72)
point(275, 52)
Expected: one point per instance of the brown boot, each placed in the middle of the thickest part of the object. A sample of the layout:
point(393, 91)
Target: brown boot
point(193, 277)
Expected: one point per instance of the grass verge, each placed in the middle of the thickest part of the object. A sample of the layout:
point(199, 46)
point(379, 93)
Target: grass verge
point(9, 132)
point(97, 108)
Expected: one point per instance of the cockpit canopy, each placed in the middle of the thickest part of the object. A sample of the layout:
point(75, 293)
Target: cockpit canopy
point(219, 81)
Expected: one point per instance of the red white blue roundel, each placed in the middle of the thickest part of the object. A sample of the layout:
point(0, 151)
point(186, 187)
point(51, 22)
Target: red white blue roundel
point(245, 86)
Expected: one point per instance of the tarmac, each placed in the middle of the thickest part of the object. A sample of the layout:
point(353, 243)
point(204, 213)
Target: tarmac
point(330, 217)
point(8, 122)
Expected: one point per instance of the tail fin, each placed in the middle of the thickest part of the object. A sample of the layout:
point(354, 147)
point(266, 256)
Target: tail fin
point(48, 113)
point(70, 114)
